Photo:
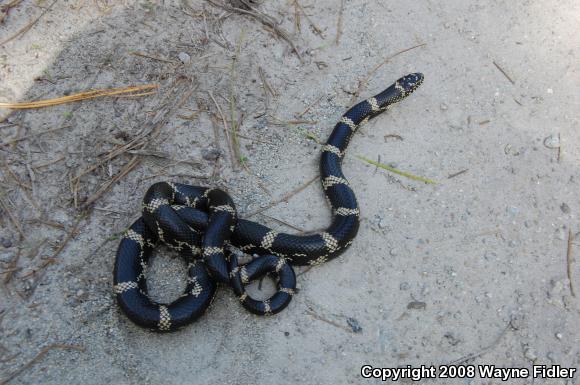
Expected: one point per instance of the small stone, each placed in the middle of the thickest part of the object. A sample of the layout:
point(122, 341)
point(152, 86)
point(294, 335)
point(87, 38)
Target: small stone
point(404, 286)
point(552, 141)
point(70, 163)
point(383, 223)
point(393, 252)
point(530, 354)
point(489, 255)
point(560, 234)
point(559, 336)
point(416, 305)
point(210, 154)
point(443, 107)
point(184, 58)
point(565, 208)
point(286, 334)
point(6, 243)
point(453, 341)
point(512, 210)
point(354, 325)
point(556, 289)
point(80, 293)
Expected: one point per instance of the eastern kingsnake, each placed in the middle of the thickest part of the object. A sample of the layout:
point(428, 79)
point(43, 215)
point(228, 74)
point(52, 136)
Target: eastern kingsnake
point(201, 223)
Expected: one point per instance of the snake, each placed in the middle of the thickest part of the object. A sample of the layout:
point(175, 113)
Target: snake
point(202, 224)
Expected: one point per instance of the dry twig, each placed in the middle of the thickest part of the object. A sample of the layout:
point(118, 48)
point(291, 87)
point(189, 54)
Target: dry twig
point(38, 357)
point(134, 162)
point(285, 198)
point(265, 19)
point(457, 173)
point(6, 209)
point(570, 262)
point(284, 223)
point(309, 107)
point(5, 8)
point(138, 143)
point(34, 135)
point(124, 91)
point(339, 23)
point(233, 108)
point(29, 26)
point(504, 73)
point(362, 83)
point(52, 259)
point(482, 351)
point(226, 129)
point(315, 28)
point(317, 316)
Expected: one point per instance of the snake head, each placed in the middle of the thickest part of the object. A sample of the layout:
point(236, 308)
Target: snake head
point(410, 83)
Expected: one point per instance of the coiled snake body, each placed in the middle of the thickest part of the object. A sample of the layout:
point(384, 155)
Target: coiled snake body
point(201, 222)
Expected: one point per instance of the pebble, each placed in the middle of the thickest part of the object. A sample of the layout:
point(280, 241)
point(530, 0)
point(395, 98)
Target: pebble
point(565, 208)
point(6, 243)
point(404, 286)
point(530, 354)
point(450, 271)
point(512, 210)
point(354, 325)
point(393, 252)
point(416, 305)
point(559, 336)
point(453, 341)
point(552, 141)
point(184, 58)
point(383, 224)
point(443, 107)
point(6, 258)
point(210, 153)
point(555, 292)
point(560, 234)
point(489, 255)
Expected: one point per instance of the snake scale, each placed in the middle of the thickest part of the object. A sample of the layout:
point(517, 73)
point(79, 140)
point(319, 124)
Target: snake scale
point(202, 224)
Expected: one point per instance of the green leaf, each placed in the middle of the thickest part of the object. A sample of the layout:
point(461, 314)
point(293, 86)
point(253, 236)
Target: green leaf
point(398, 172)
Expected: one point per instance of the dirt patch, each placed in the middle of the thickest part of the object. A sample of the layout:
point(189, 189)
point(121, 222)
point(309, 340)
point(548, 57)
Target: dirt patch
point(474, 269)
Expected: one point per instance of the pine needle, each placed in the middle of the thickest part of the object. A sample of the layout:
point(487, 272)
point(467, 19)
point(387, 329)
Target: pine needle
point(122, 92)
point(399, 172)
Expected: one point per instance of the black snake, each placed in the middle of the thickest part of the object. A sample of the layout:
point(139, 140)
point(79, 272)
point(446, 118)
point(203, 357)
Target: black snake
point(201, 223)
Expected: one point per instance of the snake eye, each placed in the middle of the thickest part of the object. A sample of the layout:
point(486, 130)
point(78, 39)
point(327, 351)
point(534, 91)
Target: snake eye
point(411, 81)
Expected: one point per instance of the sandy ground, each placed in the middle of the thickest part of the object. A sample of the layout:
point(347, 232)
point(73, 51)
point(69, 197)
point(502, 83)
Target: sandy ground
point(471, 270)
